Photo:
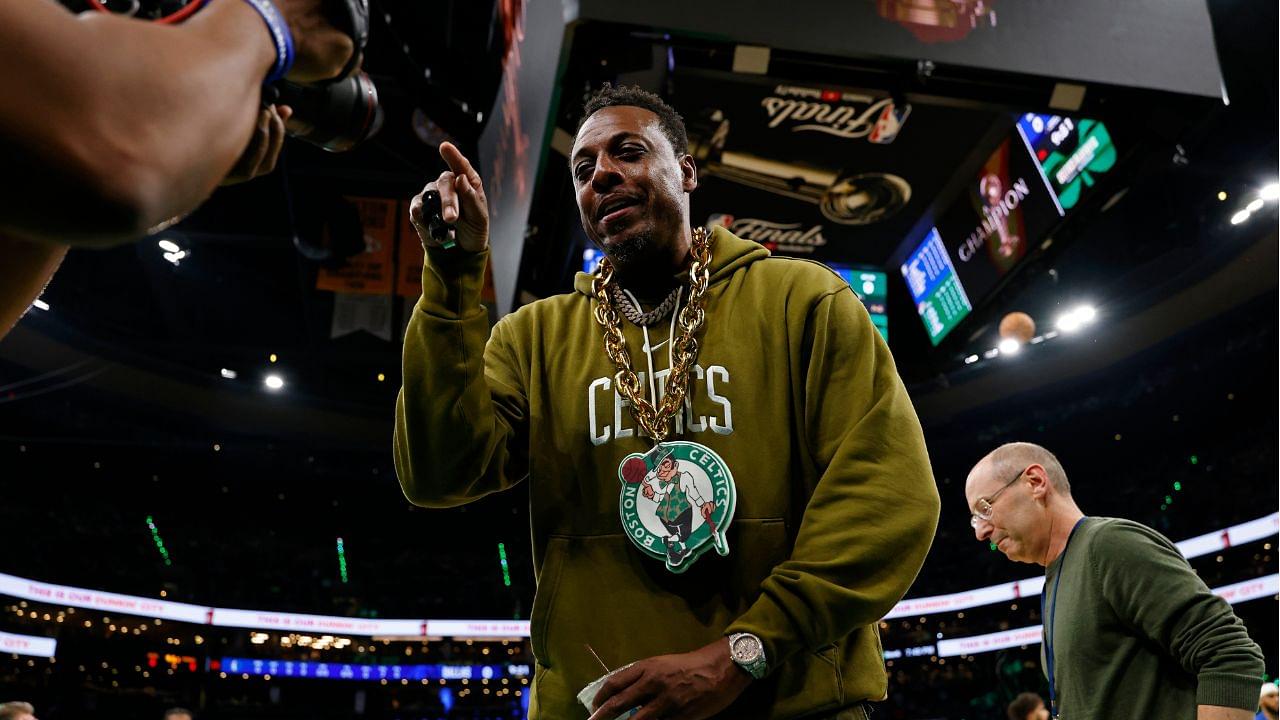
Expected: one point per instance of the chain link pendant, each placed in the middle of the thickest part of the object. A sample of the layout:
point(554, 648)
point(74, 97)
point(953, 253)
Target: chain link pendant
point(677, 502)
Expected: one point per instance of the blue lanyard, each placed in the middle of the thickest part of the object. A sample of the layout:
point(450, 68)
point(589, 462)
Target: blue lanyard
point(1048, 633)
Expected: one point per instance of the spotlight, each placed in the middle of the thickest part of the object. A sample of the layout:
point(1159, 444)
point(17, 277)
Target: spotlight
point(1086, 313)
point(175, 257)
point(273, 382)
point(40, 304)
point(1009, 346)
point(1239, 217)
point(168, 246)
point(971, 360)
point(1270, 192)
point(228, 374)
point(1255, 206)
point(1222, 195)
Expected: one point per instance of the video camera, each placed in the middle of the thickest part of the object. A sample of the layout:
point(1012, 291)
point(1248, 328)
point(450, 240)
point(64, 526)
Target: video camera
point(336, 116)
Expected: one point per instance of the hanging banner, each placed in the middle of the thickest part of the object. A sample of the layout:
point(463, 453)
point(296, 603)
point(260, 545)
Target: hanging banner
point(370, 272)
point(409, 257)
point(351, 313)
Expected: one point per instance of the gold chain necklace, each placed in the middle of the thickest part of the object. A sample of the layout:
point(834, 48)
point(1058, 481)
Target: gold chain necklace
point(655, 421)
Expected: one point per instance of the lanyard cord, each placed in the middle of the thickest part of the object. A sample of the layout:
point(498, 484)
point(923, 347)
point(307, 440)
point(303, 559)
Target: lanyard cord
point(1048, 634)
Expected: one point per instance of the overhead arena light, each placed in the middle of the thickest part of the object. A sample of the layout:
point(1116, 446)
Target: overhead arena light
point(40, 304)
point(168, 245)
point(1239, 217)
point(1076, 318)
point(228, 373)
point(1256, 205)
point(971, 360)
point(1270, 192)
point(175, 257)
point(1009, 346)
point(273, 382)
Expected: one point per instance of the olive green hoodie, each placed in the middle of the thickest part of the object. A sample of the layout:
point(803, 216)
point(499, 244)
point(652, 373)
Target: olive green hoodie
point(794, 388)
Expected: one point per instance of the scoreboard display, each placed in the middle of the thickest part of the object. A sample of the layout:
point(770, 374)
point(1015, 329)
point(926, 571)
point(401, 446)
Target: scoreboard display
point(871, 285)
point(935, 287)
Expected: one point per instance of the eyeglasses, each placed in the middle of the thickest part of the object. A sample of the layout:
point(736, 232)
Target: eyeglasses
point(986, 506)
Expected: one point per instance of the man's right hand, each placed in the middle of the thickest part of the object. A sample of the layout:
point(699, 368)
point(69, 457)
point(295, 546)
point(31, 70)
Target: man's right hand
point(320, 49)
point(462, 203)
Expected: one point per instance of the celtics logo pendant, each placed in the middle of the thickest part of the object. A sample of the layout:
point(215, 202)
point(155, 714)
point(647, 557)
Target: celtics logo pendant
point(677, 502)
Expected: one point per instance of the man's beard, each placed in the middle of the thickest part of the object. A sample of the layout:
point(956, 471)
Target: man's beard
point(631, 249)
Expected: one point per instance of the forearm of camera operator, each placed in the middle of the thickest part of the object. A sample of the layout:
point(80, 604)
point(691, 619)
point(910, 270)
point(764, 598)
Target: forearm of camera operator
point(119, 125)
point(25, 269)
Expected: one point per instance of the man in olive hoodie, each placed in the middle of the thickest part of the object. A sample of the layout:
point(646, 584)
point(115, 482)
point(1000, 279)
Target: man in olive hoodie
point(818, 503)
point(1130, 630)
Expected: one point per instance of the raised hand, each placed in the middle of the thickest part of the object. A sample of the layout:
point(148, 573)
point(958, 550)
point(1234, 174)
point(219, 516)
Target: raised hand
point(462, 203)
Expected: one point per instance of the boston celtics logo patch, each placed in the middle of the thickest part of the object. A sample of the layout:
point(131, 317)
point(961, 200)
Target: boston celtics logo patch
point(677, 502)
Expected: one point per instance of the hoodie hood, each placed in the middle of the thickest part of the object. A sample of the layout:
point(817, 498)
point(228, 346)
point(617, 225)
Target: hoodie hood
point(728, 253)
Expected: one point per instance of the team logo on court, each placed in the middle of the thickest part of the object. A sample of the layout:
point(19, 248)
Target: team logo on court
point(677, 502)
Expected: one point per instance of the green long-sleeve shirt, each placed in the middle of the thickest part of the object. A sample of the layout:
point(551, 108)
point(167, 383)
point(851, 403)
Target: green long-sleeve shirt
point(793, 387)
point(1137, 634)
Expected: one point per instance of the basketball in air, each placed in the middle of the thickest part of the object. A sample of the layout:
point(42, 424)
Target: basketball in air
point(634, 470)
point(1017, 326)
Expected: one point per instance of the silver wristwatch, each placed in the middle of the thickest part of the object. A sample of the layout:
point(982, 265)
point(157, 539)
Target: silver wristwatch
point(747, 650)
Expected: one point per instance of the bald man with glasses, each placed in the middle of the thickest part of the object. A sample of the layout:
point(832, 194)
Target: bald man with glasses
point(1130, 630)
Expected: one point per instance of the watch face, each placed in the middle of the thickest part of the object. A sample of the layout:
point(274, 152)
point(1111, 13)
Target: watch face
point(746, 649)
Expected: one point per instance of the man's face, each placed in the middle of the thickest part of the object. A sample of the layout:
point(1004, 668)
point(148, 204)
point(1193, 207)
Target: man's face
point(178, 716)
point(1040, 713)
point(1271, 702)
point(667, 469)
point(632, 190)
point(1016, 525)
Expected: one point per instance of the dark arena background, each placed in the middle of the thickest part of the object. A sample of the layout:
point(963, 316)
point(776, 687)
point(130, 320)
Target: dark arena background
point(1062, 216)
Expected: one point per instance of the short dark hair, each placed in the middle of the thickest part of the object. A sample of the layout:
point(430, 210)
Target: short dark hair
point(171, 712)
point(669, 120)
point(1023, 705)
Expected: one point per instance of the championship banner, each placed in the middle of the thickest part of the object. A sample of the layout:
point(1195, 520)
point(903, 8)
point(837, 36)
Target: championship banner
point(27, 645)
point(369, 273)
